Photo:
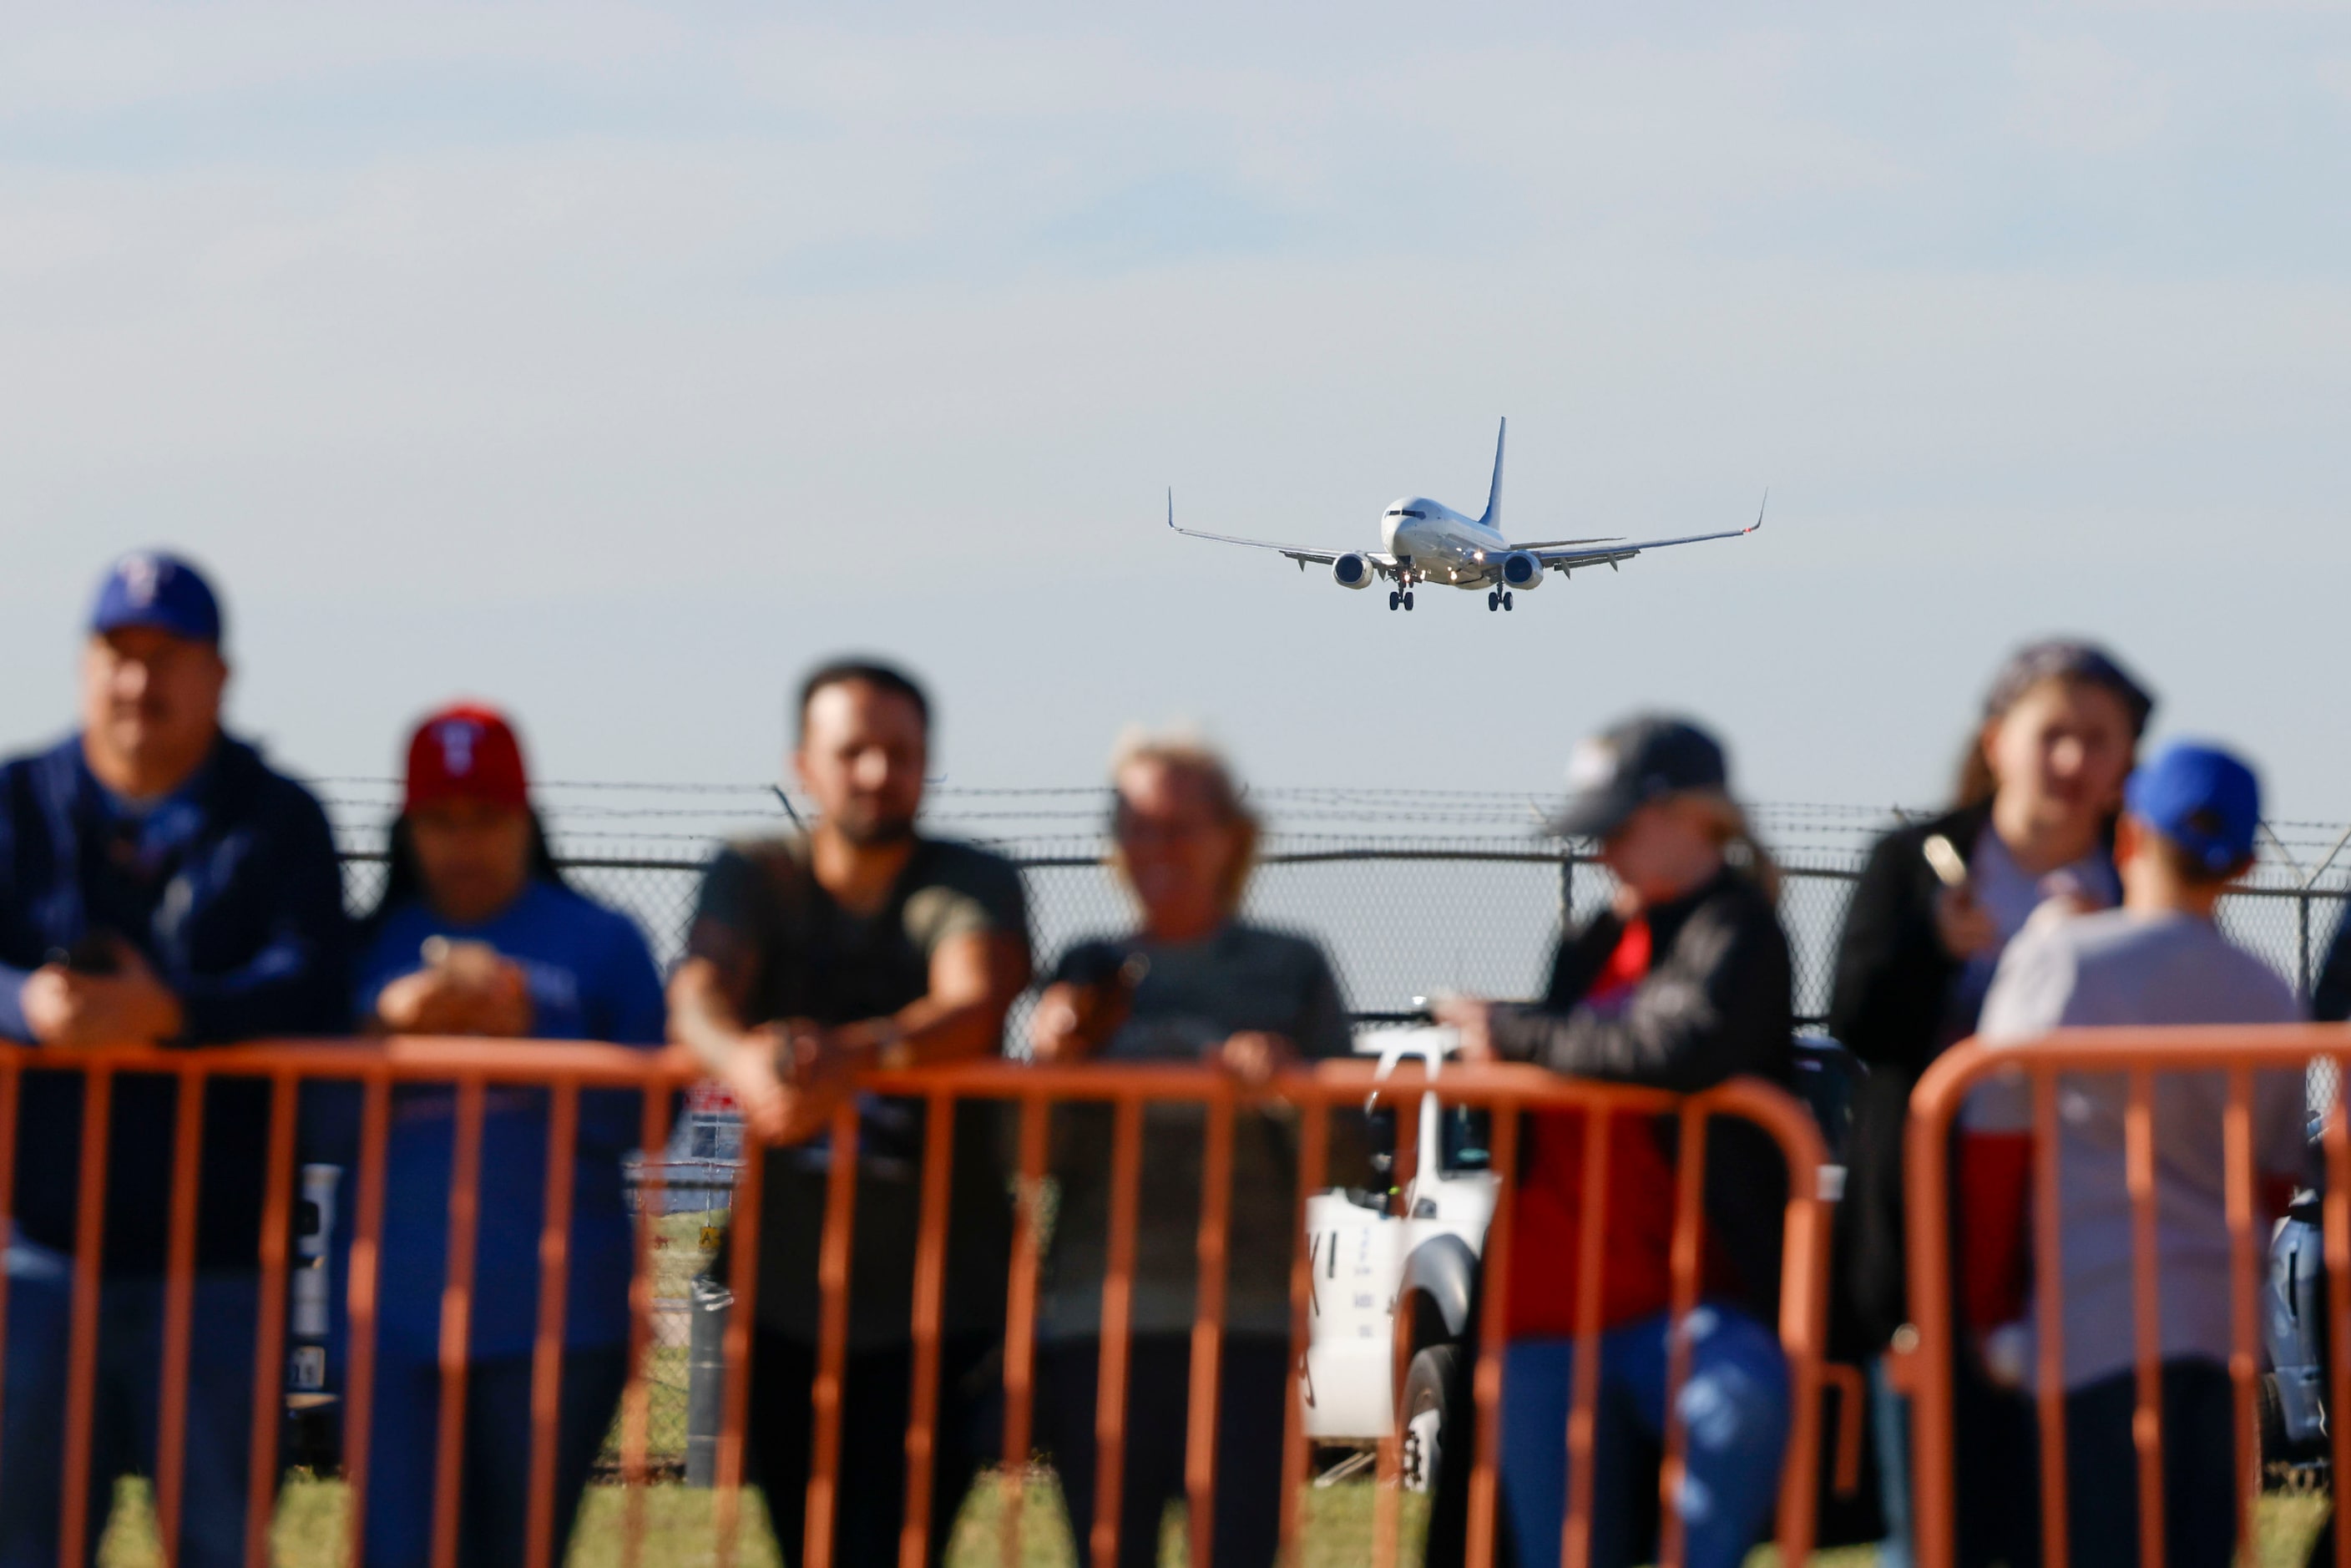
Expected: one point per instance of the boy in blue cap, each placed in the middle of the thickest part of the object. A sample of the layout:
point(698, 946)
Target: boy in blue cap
point(158, 882)
point(2186, 831)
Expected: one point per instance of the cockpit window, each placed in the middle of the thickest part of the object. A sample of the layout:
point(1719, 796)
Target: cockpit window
point(1400, 512)
point(1421, 515)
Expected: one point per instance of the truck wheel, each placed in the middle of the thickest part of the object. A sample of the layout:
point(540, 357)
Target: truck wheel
point(2271, 1415)
point(1432, 1398)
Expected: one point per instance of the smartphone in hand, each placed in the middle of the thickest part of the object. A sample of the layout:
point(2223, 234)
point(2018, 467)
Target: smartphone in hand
point(1950, 867)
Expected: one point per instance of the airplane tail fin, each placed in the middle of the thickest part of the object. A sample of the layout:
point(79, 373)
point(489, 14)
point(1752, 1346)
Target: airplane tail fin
point(1493, 518)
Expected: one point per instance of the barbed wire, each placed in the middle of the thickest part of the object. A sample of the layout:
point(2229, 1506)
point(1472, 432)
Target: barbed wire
point(679, 821)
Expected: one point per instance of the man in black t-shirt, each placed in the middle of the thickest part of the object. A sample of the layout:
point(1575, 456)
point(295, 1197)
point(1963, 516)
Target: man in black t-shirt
point(862, 944)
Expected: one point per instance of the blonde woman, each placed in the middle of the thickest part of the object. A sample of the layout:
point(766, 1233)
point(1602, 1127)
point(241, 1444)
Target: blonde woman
point(1195, 982)
point(1685, 982)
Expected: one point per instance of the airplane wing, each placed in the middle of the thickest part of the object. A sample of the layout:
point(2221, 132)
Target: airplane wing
point(1567, 554)
point(1382, 563)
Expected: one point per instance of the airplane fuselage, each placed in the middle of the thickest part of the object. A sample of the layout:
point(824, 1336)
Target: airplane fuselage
point(1442, 544)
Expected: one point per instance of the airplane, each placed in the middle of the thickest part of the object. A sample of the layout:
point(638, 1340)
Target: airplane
point(1430, 542)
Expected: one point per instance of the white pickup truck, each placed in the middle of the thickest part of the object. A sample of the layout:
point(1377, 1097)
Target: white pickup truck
point(1402, 1263)
point(1395, 1273)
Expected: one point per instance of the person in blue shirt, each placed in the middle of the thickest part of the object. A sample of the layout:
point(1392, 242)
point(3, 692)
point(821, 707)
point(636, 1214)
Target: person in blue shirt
point(159, 882)
point(477, 933)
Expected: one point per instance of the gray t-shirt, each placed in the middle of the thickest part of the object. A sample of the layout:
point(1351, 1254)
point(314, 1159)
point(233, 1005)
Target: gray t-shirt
point(784, 948)
point(2122, 967)
point(1191, 997)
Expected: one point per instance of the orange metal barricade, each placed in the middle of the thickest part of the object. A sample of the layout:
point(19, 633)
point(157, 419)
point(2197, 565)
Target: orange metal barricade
point(565, 1069)
point(2140, 1056)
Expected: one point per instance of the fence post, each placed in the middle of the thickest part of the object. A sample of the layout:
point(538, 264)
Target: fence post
point(708, 1303)
point(2302, 944)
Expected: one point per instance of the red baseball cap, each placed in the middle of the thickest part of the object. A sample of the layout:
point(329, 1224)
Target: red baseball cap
point(466, 752)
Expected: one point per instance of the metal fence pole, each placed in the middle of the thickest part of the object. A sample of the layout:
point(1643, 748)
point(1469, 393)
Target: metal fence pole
point(2302, 946)
point(709, 1302)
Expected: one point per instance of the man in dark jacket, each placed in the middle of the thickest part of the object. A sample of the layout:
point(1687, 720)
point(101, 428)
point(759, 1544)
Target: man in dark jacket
point(159, 883)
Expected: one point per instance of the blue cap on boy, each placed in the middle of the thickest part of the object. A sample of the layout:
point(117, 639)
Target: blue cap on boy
point(2202, 799)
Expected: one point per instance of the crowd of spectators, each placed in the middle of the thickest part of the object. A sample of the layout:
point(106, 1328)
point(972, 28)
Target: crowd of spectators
point(160, 882)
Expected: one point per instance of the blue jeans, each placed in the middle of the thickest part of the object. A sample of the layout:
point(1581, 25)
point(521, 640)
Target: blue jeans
point(494, 1493)
point(1734, 1415)
point(1890, 1415)
point(124, 1411)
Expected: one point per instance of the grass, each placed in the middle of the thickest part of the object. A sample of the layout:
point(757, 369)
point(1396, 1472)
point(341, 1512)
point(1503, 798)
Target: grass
point(679, 1531)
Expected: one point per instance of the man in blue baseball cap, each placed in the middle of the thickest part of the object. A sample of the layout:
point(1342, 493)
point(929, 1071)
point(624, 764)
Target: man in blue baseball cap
point(2190, 817)
point(159, 882)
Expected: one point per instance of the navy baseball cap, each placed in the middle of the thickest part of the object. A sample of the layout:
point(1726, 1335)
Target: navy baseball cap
point(2200, 798)
point(151, 588)
point(1646, 757)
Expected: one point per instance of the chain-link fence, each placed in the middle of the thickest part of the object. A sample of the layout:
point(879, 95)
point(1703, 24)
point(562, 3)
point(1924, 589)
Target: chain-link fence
point(1401, 922)
point(1409, 891)
point(1401, 915)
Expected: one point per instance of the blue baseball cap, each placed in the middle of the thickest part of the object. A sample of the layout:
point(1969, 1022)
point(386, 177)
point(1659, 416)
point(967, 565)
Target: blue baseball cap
point(2200, 798)
point(151, 588)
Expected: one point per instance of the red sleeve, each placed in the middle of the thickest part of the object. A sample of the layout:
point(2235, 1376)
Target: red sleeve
point(1995, 1196)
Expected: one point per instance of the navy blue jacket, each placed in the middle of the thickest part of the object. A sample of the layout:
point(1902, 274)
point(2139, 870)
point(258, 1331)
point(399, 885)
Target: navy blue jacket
point(235, 898)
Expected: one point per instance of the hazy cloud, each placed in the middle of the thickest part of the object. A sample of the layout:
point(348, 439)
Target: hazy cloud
point(615, 359)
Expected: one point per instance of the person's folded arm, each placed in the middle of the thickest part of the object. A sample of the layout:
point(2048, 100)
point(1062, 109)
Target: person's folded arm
point(703, 1014)
point(1693, 1021)
point(297, 981)
point(974, 979)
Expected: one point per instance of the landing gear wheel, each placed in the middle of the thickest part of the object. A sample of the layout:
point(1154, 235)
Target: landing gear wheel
point(1407, 598)
point(1394, 598)
point(1506, 601)
point(1491, 600)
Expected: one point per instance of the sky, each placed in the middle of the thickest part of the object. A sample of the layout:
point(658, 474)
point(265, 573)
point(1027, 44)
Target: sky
point(615, 363)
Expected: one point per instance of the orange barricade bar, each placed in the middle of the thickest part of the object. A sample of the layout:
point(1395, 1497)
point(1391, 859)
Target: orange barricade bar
point(567, 1069)
point(2138, 1056)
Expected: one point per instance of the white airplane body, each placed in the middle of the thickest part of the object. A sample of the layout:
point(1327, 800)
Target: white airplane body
point(1427, 541)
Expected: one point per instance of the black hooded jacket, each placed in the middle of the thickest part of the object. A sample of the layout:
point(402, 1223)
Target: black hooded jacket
point(1716, 1003)
point(1889, 1007)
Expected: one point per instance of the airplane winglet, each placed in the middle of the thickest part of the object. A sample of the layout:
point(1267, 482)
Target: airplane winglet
point(1759, 511)
point(1171, 506)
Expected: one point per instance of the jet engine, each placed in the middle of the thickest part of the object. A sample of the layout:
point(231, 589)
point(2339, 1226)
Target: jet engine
point(1521, 569)
point(1352, 571)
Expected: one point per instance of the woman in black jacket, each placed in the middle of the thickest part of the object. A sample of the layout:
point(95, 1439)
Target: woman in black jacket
point(1683, 983)
point(2038, 793)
